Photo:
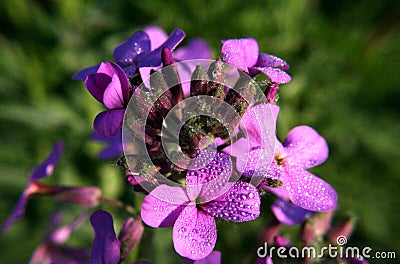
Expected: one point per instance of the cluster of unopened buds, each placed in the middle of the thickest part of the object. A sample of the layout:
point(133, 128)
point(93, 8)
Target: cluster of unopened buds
point(197, 137)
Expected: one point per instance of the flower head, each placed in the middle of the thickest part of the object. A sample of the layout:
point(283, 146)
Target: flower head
point(192, 210)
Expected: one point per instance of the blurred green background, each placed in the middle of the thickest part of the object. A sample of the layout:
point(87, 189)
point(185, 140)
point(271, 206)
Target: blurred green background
point(344, 58)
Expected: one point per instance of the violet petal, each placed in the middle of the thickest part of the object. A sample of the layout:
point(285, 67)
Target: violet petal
point(81, 75)
point(114, 146)
point(288, 213)
point(126, 52)
point(113, 97)
point(195, 49)
point(46, 168)
point(109, 122)
point(266, 60)
point(305, 147)
point(106, 247)
point(308, 191)
point(157, 208)
point(96, 84)
point(194, 233)
point(112, 69)
point(274, 74)
point(240, 203)
point(241, 53)
point(213, 258)
point(17, 213)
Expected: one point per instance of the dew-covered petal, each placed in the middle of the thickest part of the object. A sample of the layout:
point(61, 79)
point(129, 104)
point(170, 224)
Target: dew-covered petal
point(153, 58)
point(106, 247)
point(195, 49)
point(267, 60)
point(288, 213)
point(274, 74)
point(163, 205)
point(194, 233)
point(118, 79)
point(238, 148)
point(258, 125)
point(157, 36)
point(255, 163)
point(209, 170)
point(96, 84)
point(241, 53)
point(305, 147)
point(81, 75)
point(46, 168)
point(126, 52)
point(240, 203)
point(108, 123)
point(308, 191)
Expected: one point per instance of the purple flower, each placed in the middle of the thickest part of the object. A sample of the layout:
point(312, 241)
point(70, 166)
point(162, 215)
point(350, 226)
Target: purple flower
point(191, 211)
point(213, 258)
point(138, 51)
point(107, 248)
point(243, 54)
point(114, 145)
point(44, 169)
point(288, 213)
point(110, 86)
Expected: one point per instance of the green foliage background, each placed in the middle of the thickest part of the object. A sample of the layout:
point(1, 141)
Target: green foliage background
point(344, 62)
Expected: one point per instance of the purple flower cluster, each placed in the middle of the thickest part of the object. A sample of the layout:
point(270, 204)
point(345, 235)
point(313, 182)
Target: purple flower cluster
point(229, 175)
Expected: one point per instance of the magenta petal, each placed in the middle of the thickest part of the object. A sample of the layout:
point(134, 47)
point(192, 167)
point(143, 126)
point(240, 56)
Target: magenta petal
point(118, 75)
point(195, 49)
point(108, 123)
point(288, 213)
point(96, 84)
point(255, 163)
point(194, 233)
point(240, 203)
point(241, 53)
point(275, 74)
point(106, 247)
point(308, 191)
point(213, 258)
point(47, 167)
point(157, 36)
point(81, 75)
point(266, 60)
point(113, 97)
point(305, 147)
point(157, 208)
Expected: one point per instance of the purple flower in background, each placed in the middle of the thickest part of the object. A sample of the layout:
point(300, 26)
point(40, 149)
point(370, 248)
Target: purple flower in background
point(288, 213)
point(191, 211)
point(114, 145)
point(243, 54)
point(107, 248)
point(138, 51)
point(46, 168)
point(110, 86)
point(213, 258)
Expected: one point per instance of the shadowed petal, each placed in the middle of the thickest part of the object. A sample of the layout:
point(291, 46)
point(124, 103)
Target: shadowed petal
point(126, 52)
point(306, 147)
point(275, 74)
point(17, 213)
point(288, 213)
point(308, 191)
point(47, 167)
point(113, 97)
point(194, 233)
point(241, 53)
point(96, 84)
point(158, 209)
point(240, 203)
point(266, 60)
point(108, 123)
point(114, 145)
point(106, 247)
point(195, 49)
point(112, 69)
point(81, 75)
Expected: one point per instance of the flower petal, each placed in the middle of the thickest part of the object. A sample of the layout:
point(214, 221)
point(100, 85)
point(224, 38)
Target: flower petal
point(106, 247)
point(130, 234)
point(114, 146)
point(308, 191)
point(241, 53)
point(275, 74)
point(213, 258)
point(288, 213)
point(17, 213)
point(195, 49)
point(266, 60)
point(108, 123)
point(112, 69)
point(81, 75)
point(194, 233)
point(46, 168)
point(255, 163)
point(96, 84)
point(153, 58)
point(113, 97)
point(305, 147)
point(157, 36)
point(240, 203)
point(126, 52)
point(163, 205)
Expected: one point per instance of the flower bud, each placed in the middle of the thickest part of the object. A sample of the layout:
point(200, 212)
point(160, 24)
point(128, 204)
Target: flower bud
point(130, 234)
